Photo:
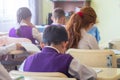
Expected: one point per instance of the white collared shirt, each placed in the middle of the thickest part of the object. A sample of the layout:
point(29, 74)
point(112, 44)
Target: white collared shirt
point(58, 24)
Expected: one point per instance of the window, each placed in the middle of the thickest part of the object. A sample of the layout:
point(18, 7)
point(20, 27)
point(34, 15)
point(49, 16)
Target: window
point(8, 9)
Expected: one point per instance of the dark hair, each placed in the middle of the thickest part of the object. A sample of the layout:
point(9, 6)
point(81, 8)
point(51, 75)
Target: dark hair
point(23, 13)
point(54, 34)
point(58, 13)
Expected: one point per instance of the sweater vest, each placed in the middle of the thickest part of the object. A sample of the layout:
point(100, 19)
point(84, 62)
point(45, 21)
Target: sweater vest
point(24, 32)
point(48, 60)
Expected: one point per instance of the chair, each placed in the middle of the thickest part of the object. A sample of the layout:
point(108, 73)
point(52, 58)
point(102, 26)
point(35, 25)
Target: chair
point(94, 58)
point(37, 74)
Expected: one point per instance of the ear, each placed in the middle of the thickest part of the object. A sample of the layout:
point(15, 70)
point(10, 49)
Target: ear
point(52, 18)
point(64, 45)
point(90, 26)
point(63, 20)
point(42, 45)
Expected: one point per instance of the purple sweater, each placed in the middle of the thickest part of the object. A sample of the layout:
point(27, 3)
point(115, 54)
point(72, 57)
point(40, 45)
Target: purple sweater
point(49, 60)
point(24, 32)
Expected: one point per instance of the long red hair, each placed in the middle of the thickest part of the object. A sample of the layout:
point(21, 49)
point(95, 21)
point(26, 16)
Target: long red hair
point(73, 27)
point(77, 22)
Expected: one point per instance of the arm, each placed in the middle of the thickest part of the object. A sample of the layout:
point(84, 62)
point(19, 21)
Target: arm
point(81, 72)
point(95, 32)
point(7, 49)
point(93, 43)
point(36, 34)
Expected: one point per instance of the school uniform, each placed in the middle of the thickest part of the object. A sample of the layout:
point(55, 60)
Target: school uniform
point(87, 41)
point(50, 60)
point(95, 32)
point(26, 31)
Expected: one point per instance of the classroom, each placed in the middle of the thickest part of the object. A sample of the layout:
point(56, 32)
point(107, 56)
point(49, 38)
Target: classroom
point(59, 39)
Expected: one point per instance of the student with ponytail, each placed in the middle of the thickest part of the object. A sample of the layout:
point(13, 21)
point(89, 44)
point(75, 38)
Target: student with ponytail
point(77, 28)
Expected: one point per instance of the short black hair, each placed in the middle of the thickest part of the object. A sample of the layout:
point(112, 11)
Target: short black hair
point(58, 13)
point(54, 34)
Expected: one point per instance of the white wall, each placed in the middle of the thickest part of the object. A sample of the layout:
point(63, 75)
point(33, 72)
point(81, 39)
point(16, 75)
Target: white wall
point(47, 8)
point(108, 12)
point(6, 26)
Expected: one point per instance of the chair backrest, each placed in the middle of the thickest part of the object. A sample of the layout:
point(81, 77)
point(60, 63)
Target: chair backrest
point(37, 74)
point(94, 58)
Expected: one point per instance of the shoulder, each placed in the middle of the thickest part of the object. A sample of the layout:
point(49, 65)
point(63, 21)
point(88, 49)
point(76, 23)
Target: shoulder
point(67, 56)
point(86, 41)
point(89, 36)
point(35, 29)
point(91, 39)
point(12, 29)
point(33, 56)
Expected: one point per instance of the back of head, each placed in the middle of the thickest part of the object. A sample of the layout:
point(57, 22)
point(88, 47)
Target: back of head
point(89, 16)
point(58, 13)
point(55, 34)
point(23, 13)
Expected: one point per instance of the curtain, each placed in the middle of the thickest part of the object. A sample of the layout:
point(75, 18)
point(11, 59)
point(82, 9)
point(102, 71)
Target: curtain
point(36, 9)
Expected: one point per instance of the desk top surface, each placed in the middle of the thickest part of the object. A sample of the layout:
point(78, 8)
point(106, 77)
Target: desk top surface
point(108, 74)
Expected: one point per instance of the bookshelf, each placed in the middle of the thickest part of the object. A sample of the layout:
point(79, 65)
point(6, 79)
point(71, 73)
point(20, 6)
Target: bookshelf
point(70, 5)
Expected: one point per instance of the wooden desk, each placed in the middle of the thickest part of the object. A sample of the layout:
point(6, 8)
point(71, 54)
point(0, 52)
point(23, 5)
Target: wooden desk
point(43, 78)
point(17, 52)
point(47, 78)
point(108, 74)
point(117, 56)
point(105, 74)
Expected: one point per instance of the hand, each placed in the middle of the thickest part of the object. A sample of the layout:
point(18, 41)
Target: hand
point(19, 46)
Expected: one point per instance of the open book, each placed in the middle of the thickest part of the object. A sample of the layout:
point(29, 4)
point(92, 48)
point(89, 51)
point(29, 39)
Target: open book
point(30, 47)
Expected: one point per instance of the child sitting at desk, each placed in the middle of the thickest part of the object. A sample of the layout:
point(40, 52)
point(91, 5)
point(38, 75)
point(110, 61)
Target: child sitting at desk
point(4, 50)
point(25, 29)
point(77, 27)
point(52, 58)
point(58, 17)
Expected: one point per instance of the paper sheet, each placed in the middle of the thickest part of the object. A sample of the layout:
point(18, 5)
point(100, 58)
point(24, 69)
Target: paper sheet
point(30, 47)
